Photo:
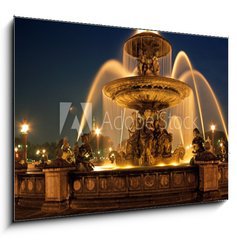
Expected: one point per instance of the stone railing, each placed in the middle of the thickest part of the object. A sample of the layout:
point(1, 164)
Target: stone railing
point(59, 189)
point(130, 188)
point(29, 188)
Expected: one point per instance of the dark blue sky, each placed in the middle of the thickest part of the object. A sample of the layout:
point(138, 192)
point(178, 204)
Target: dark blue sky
point(57, 62)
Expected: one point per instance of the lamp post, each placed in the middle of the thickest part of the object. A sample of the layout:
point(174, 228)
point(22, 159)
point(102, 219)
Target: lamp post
point(213, 128)
point(97, 132)
point(24, 134)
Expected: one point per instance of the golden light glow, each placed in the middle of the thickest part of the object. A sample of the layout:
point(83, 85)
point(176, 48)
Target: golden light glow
point(194, 73)
point(110, 166)
point(213, 128)
point(44, 151)
point(110, 149)
point(97, 131)
point(112, 66)
point(180, 55)
point(221, 144)
point(37, 152)
point(24, 128)
point(142, 30)
point(16, 149)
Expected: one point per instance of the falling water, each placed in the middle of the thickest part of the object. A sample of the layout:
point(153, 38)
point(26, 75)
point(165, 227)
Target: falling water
point(110, 70)
point(182, 63)
point(211, 109)
point(203, 99)
point(193, 111)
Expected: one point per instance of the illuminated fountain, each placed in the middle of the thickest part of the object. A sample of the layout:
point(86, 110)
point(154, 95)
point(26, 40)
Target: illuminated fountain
point(147, 172)
point(187, 112)
point(148, 92)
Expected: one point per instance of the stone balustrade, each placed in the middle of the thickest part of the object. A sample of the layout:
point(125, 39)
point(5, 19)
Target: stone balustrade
point(60, 189)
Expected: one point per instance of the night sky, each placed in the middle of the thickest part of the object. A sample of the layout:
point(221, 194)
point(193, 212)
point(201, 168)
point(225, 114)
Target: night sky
point(57, 62)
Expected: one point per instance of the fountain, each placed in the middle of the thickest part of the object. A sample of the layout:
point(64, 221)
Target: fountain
point(147, 93)
point(146, 172)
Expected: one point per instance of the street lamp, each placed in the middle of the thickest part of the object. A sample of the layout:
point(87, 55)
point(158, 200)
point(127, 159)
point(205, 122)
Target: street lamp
point(213, 128)
point(97, 133)
point(24, 128)
point(24, 134)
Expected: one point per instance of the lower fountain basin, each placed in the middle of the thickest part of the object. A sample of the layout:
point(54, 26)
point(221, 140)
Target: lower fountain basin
point(146, 92)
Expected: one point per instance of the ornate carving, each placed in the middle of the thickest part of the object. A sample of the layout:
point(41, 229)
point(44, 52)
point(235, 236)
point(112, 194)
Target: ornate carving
point(90, 184)
point(38, 185)
point(164, 181)
point(30, 185)
point(23, 186)
point(77, 185)
point(149, 181)
point(178, 179)
point(104, 184)
point(135, 182)
point(119, 183)
point(191, 178)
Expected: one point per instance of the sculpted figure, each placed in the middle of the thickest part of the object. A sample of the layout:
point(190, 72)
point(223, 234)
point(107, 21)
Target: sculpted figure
point(132, 148)
point(157, 133)
point(198, 142)
point(165, 143)
point(146, 137)
point(85, 154)
point(66, 151)
point(142, 63)
point(155, 64)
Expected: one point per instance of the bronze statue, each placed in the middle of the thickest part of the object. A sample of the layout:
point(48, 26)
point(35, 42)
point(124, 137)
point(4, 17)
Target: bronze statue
point(85, 154)
point(198, 142)
point(146, 137)
point(165, 144)
point(67, 153)
point(201, 148)
point(157, 133)
point(132, 148)
point(155, 64)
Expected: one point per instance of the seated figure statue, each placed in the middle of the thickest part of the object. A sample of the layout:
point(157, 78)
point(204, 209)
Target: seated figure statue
point(67, 153)
point(165, 143)
point(85, 154)
point(201, 149)
point(198, 142)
